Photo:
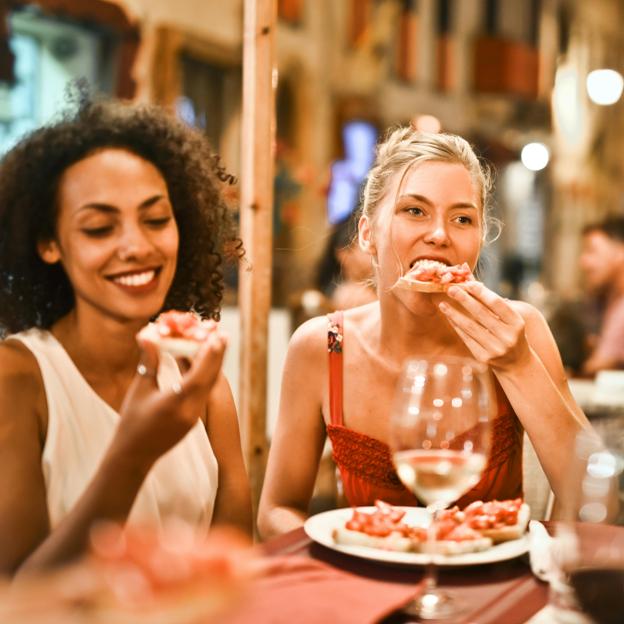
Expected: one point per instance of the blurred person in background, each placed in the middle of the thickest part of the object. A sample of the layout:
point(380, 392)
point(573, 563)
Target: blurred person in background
point(602, 263)
point(345, 272)
point(108, 216)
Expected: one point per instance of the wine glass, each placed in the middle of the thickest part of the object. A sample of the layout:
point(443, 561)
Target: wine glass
point(588, 551)
point(440, 436)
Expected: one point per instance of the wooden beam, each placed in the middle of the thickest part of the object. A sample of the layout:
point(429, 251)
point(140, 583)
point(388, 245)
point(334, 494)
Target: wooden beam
point(257, 156)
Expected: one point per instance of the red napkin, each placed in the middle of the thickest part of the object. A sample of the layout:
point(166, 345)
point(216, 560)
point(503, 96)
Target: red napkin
point(301, 590)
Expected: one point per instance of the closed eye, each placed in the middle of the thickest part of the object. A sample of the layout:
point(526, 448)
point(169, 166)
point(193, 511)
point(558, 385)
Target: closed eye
point(98, 232)
point(158, 222)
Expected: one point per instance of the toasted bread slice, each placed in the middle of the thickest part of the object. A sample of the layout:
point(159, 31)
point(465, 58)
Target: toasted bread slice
point(180, 347)
point(453, 547)
point(394, 542)
point(426, 287)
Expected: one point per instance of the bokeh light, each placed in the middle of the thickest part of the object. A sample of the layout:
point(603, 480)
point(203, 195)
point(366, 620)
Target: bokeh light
point(604, 86)
point(427, 123)
point(535, 156)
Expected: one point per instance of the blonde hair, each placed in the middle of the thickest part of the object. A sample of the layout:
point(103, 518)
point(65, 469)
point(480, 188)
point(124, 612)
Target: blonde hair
point(404, 147)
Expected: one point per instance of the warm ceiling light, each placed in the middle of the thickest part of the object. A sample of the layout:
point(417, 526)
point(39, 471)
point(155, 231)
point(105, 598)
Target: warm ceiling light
point(534, 156)
point(604, 86)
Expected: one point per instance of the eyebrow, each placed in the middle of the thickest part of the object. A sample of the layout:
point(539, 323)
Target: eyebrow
point(108, 208)
point(427, 201)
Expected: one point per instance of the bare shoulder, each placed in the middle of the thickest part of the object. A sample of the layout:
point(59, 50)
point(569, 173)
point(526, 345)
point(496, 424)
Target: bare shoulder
point(17, 361)
point(310, 338)
point(21, 388)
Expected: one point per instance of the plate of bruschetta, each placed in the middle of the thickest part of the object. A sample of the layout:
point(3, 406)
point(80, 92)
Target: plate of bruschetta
point(483, 532)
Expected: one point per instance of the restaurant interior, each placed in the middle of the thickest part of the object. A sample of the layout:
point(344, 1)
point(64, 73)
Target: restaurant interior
point(294, 95)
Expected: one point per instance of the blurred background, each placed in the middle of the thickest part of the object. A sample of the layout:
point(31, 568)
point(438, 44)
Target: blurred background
point(518, 79)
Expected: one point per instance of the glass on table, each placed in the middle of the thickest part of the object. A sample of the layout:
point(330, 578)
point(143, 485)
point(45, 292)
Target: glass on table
point(440, 437)
point(589, 546)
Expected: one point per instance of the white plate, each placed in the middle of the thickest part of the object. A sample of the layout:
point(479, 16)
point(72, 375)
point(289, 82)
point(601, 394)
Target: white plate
point(320, 527)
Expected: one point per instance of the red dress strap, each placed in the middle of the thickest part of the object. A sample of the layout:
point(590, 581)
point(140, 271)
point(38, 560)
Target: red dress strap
point(334, 348)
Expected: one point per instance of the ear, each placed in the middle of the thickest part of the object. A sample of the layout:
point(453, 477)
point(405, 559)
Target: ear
point(49, 251)
point(365, 236)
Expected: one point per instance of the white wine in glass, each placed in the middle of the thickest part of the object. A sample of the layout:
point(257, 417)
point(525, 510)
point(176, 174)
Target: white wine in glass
point(440, 436)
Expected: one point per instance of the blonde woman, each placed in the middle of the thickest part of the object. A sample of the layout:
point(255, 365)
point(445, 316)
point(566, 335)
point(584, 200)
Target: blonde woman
point(426, 197)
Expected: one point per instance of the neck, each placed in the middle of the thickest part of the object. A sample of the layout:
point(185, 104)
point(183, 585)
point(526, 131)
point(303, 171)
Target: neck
point(100, 346)
point(420, 329)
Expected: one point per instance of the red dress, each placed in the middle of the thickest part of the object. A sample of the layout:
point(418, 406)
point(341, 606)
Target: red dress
point(365, 463)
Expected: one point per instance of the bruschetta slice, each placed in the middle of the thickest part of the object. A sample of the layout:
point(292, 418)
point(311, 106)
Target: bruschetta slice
point(431, 276)
point(179, 333)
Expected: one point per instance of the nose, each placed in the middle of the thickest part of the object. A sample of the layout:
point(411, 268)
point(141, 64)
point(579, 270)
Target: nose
point(133, 244)
point(437, 233)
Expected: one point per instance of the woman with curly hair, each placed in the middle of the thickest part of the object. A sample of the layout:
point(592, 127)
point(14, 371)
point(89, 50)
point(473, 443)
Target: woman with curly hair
point(108, 216)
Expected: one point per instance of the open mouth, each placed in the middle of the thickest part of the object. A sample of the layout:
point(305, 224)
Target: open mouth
point(428, 262)
point(135, 279)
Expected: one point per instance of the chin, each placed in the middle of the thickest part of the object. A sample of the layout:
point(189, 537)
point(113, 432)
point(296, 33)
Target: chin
point(140, 313)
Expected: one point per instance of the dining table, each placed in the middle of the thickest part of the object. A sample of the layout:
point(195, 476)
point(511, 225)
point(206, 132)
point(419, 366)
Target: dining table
point(339, 588)
point(296, 579)
point(505, 591)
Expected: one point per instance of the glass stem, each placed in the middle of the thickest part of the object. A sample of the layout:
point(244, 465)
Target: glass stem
point(430, 579)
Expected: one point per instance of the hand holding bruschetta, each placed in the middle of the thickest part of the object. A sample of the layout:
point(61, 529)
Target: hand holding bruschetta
point(154, 420)
point(489, 325)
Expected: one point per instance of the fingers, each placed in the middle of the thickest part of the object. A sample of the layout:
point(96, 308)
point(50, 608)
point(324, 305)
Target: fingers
point(470, 293)
point(199, 374)
point(206, 365)
point(478, 350)
point(147, 368)
point(479, 353)
point(467, 324)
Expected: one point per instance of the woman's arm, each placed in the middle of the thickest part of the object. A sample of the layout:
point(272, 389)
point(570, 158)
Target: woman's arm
point(233, 502)
point(151, 423)
point(514, 339)
point(299, 436)
point(24, 519)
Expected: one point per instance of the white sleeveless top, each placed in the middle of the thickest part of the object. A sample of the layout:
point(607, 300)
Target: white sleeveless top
point(182, 483)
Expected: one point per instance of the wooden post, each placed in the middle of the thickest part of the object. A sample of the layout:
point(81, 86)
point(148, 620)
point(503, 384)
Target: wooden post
point(257, 151)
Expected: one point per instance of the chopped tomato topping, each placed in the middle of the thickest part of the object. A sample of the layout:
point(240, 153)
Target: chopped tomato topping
point(385, 520)
point(432, 271)
point(493, 514)
point(175, 324)
point(450, 524)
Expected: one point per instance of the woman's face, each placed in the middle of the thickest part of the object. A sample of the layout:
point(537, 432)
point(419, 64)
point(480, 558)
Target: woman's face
point(117, 237)
point(434, 213)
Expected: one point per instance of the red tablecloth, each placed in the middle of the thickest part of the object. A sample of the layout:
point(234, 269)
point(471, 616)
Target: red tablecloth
point(490, 594)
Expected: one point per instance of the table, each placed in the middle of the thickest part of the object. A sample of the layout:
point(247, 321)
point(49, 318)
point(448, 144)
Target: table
point(493, 593)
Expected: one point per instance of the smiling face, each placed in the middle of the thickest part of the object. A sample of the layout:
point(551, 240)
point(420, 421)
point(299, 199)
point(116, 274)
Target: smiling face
point(431, 211)
point(116, 236)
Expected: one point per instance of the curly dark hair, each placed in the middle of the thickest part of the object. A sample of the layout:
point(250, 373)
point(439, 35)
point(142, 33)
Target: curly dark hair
point(36, 294)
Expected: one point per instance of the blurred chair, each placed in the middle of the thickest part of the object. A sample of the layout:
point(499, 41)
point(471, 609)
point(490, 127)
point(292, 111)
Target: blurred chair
point(537, 492)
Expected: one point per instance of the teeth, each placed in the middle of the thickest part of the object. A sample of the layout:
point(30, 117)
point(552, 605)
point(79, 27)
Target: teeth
point(426, 261)
point(137, 279)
